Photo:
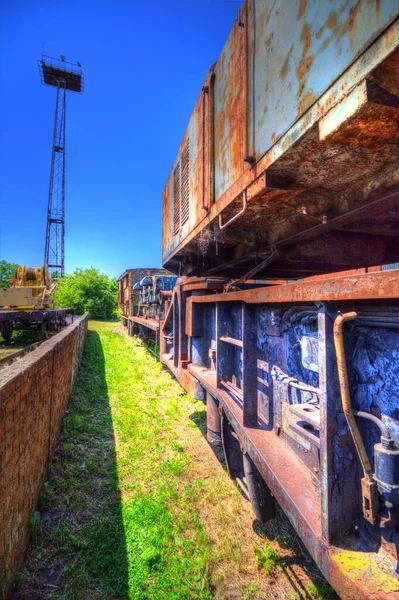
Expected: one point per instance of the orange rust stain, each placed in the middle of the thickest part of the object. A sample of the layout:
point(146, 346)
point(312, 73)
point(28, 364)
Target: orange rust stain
point(350, 25)
point(306, 101)
point(229, 128)
point(301, 9)
point(304, 65)
point(220, 126)
point(306, 38)
point(325, 44)
point(303, 68)
point(378, 8)
point(284, 68)
point(332, 21)
point(353, 13)
point(269, 41)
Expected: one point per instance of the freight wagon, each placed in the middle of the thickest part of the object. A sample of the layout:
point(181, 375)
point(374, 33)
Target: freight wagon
point(281, 204)
point(143, 295)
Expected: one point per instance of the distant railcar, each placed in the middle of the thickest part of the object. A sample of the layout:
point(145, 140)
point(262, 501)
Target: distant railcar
point(128, 293)
point(144, 295)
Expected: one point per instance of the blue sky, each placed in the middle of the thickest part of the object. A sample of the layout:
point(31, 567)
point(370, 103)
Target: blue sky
point(144, 64)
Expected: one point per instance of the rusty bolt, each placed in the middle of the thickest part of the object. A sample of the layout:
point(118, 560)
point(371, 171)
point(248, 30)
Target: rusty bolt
point(249, 158)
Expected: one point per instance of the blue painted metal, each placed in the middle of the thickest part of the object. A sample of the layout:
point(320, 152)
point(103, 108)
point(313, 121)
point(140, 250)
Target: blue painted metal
point(297, 51)
point(150, 294)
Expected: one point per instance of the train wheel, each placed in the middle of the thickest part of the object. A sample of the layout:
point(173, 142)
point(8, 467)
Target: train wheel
point(242, 469)
point(45, 331)
point(6, 329)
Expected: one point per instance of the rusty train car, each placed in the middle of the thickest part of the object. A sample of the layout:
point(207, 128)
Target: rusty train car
point(281, 205)
point(143, 296)
point(128, 297)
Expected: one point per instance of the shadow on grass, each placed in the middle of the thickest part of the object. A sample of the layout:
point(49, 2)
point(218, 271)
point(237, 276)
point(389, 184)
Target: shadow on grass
point(106, 320)
point(199, 419)
point(280, 530)
point(79, 549)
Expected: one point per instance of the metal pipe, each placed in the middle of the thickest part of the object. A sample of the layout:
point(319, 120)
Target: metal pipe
point(166, 293)
point(205, 91)
point(304, 387)
point(345, 396)
point(248, 158)
point(378, 322)
point(302, 314)
point(242, 488)
point(382, 427)
point(271, 258)
point(239, 214)
point(211, 138)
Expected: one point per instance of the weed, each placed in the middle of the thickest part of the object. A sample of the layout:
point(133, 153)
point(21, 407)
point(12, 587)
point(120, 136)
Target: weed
point(61, 533)
point(178, 447)
point(268, 559)
point(77, 421)
point(175, 465)
point(45, 495)
point(35, 528)
point(154, 349)
point(321, 592)
point(23, 576)
point(249, 591)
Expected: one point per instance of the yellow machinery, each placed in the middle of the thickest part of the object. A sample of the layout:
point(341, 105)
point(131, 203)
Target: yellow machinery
point(29, 304)
point(32, 289)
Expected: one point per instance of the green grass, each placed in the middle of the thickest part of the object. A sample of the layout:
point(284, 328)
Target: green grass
point(22, 338)
point(19, 340)
point(126, 525)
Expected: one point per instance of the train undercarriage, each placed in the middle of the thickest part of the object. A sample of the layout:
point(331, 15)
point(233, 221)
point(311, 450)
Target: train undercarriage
point(268, 362)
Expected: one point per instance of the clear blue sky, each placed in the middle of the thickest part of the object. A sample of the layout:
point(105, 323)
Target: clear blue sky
point(144, 64)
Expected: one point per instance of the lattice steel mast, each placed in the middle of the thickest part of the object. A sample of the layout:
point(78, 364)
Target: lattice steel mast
point(64, 76)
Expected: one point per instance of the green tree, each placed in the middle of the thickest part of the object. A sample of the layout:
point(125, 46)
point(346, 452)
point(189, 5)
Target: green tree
point(7, 271)
point(88, 290)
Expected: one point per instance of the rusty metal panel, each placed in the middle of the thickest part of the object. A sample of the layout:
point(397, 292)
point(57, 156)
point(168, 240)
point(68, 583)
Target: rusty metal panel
point(297, 50)
point(229, 109)
point(366, 286)
point(185, 184)
point(284, 66)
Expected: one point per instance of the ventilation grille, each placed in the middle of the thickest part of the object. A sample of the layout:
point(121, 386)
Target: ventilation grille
point(185, 184)
point(176, 198)
point(181, 190)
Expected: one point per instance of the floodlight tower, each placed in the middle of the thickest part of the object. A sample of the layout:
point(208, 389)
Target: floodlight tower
point(64, 77)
